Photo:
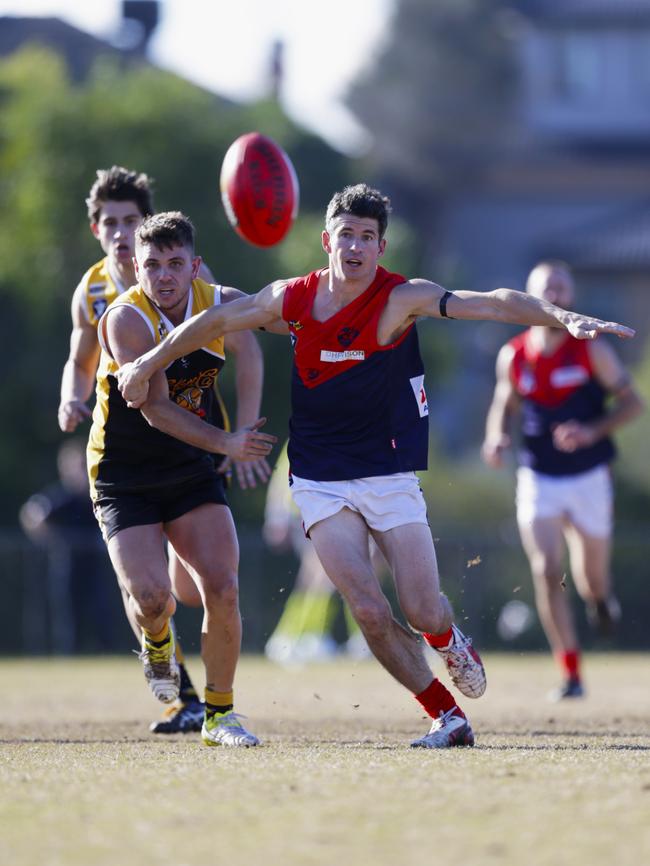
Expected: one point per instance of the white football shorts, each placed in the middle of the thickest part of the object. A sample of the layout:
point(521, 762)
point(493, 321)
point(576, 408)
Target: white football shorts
point(585, 499)
point(384, 501)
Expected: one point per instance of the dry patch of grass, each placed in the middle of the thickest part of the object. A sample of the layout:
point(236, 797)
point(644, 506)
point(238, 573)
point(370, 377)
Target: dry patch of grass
point(83, 782)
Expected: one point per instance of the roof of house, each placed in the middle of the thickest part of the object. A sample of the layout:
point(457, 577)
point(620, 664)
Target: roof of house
point(584, 11)
point(621, 241)
point(79, 48)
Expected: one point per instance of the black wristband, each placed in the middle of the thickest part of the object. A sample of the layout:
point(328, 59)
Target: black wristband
point(443, 305)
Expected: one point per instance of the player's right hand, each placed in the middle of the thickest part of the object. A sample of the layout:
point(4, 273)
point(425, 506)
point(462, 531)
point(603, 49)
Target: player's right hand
point(248, 443)
point(71, 414)
point(134, 387)
point(492, 451)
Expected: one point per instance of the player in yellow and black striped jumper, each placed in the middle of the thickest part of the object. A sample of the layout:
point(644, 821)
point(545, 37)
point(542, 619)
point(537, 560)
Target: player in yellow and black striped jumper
point(117, 203)
point(152, 474)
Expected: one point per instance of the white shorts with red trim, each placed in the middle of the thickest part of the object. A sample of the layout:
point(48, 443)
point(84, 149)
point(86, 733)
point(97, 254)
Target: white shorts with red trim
point(585, 499)
point(384, 501)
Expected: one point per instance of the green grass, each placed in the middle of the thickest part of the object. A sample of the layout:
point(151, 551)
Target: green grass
point(83, 782)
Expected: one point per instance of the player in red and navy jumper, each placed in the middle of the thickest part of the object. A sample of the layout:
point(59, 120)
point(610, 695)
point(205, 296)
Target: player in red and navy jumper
point(359, 409)
point(359, 430)
point(561, 387)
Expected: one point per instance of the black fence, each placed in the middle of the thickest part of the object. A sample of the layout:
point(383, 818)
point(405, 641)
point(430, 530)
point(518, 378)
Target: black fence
point(65, 599)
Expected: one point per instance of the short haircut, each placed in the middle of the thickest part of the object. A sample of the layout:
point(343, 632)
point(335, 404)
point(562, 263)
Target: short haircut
point(119, 184)
point(166, 230)
point(363, 201)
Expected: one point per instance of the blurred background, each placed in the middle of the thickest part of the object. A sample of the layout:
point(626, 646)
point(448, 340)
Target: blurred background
point(504, 132)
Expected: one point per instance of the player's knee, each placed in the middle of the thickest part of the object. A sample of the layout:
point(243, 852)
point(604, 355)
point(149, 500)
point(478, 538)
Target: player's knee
point(547, 575)
point(373, 615)
point(221, 590)
point(153, 602)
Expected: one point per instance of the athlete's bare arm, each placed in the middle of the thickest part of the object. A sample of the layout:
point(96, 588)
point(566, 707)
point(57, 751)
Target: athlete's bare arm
point(626, 403)
point(418, 297)
point(78, 379)
point(127, 337)
point(505, 403)
point(249, 379)
point(251, 311)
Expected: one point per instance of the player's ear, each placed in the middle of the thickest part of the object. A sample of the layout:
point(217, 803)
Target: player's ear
point(382, 246)
point(196, 266)
point(94, 228)
point(326, 242)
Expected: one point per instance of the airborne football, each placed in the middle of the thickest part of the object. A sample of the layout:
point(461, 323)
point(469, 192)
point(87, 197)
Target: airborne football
point(259, 189)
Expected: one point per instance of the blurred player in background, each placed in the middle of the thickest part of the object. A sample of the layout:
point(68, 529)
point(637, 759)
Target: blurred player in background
point(118, 202)
point(303, 633)
point(359, 432)
point(152, 474)
point(560, 387)
point(59, 519)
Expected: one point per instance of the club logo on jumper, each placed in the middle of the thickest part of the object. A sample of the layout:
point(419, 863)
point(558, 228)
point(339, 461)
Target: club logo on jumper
point(417, 383)
point(313, 374)
point(569, 377)
point(349, 355)
point(187, 393)
point(346, 336)
point(162, 329)
point(98, 307)
point(295, 324)
point(527, 381)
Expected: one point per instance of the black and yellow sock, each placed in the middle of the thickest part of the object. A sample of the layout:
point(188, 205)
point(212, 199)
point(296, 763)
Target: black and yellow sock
point(218, 702)
point(157, 639)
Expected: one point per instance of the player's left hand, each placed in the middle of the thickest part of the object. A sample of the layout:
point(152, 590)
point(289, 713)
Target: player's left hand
point(248, 474)
point(586, 328)
point(572, 435)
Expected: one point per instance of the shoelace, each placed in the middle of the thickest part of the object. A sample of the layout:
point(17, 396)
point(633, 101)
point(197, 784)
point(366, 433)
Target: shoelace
point(231, 720)
point(158, 657)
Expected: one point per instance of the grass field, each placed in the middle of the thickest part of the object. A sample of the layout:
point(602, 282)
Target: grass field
point(83, 782)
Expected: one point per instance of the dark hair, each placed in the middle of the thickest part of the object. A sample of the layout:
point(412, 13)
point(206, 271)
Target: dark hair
point(119, 184)
point(166, 230)
point(360, 200)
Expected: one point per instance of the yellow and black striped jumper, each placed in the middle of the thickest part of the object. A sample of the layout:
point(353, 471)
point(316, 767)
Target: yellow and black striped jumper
point(126, 454)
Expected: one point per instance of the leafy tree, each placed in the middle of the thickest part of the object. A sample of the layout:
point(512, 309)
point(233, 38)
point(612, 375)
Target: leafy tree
point(54, 136)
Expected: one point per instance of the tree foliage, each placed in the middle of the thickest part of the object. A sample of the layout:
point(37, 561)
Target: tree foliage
point(54, 136)
point(437, 99)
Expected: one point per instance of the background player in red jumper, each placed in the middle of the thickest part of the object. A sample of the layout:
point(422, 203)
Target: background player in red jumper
point(564, 491)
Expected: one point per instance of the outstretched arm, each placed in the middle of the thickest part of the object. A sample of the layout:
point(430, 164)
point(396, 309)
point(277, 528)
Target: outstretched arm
point(423, 298)
point(250, 311)
point(249, 379)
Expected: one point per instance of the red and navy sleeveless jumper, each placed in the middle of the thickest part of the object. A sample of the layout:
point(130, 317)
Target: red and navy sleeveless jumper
point(556, 388)
point(358, 409)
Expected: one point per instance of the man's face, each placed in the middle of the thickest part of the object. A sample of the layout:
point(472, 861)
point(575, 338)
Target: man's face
point(353, 246)
point(166, 275)
point(552, 285)
point(115, 230)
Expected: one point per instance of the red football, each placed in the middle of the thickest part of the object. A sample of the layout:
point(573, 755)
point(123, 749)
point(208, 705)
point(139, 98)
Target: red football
point(259, 189)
